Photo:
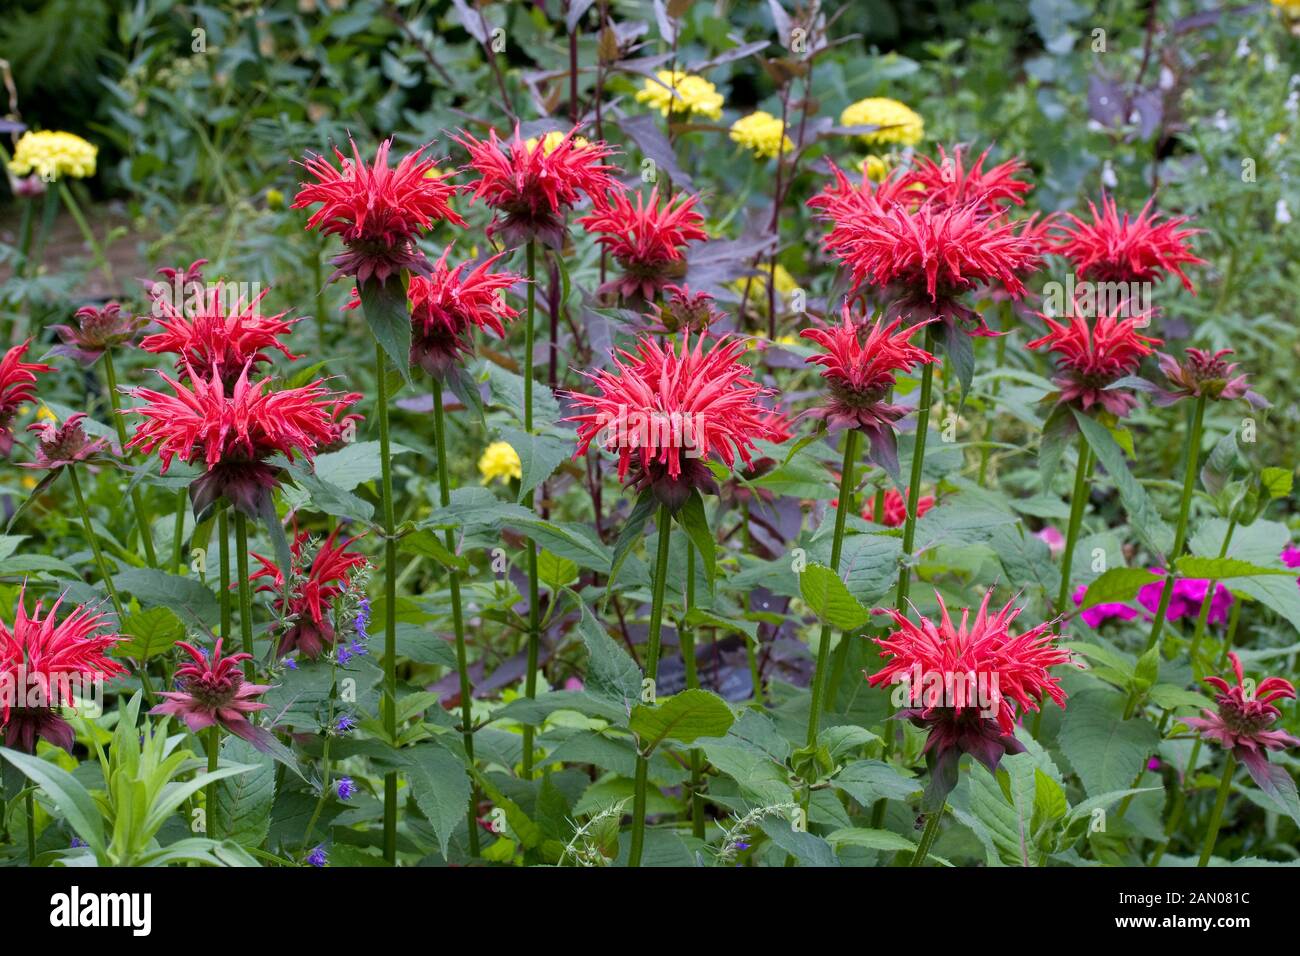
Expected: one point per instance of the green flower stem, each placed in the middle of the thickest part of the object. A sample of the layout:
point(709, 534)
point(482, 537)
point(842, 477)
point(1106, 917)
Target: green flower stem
point(534, 597)
point(137, 499)
point(94, 545)
point(1078, 504)
point(245, 591)
point(686, 638)
point(1216, 815)
point(457, 615)
point(663, 526)
point(324, 792)
point(74, 210)
point(914, 483)
point(842, 510)
point(29, 801)
point(210, 811)
point(927, 837)
point(390, 603)
point(178, 534)
point(223, 533)
point(1180, 531)
point(1180, 804)
point(1204, 616)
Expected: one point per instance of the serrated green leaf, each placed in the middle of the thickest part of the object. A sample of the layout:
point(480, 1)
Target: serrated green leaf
point(828, 598)
point(684, 717)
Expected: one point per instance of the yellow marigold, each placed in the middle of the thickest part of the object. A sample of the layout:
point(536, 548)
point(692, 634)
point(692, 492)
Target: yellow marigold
point(903, 126)
point(500, 461)
point(875, 168)
point(761, 133)
point(52, 155)
point(553, 139)
point(695, 94)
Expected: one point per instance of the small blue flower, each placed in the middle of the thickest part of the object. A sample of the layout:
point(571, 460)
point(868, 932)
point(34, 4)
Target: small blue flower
point(345, 788)
point(344, 654)
point(77, 842)
point(359, 649)
point(362, 623)
point(291, 663)
point(317, 856)
point(344, 724)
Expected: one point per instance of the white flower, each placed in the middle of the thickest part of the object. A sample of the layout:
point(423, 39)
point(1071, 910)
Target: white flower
point(1282, 213)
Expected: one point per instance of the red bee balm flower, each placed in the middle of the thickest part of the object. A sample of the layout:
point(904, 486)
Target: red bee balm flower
point(665, 413)
point(66, 444)
point(17, 386)
point(212, 691)
point(449, 304)
point(966, 683)
point(1205, 373)
point(533, 187)
point(644, 239)
point(896, 507)
point(949, 182)
point(214, 337)
point(375, 210)
point(233, 434)
point(1242, 723)
point(306, 609)
point(1115, 248)
point(860, 372)
point(42, 664)
point(97, 330)
point(1090, 359)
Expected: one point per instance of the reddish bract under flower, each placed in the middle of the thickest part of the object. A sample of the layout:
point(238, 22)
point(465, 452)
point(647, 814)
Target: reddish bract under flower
point(66, 444)
point(218, 337)
point(895, 507)
point(448, 305)
point(532, 187)
point(1242, 722)
point(950, 182)
point(96, 331)
point(957, 674)
point(683, 308)
point(1115, 248)
point(306, 609)
point(41, 660)
point(213, 692)
point(1208, 374)
point(376, 210)
point(233, 434)
point(665, 413)
point(1091, 358)
point(17, 386)
point(646, 240)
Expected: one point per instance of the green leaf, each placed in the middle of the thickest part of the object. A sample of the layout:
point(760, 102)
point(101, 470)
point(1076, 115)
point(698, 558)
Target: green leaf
point(152, 632)
point(633, 530)
point(242, 810)
point(1171, 697)
point(840, 740)
point(1059, 428)
point(1190, 566)
point(1116, 586)
point(1007, 810)
point(828, 598)
point(808, 848)
point(1105, 750)
point(539, 456)
point(72, 799)
point(389, 317)
point(867, 781)
point(42, 486)
point(507, 390)
point(1143, 517)
point(555, 572)
point(440, 786)
point(569, 540)
point(353, 464)
point(684, 717)
point(1278, 593)
point(696, 524)
point(869, 839)
point(190, 599)
point(1276, 481)
point(611, 673)
point(427, 544)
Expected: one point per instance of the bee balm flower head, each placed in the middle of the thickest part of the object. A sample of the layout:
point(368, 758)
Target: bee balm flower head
point(533, 187)
point(644, 239)
point(1090, 358)
point(1112, 247)
point(17, 387)
point(1208, 374)
point(665, 413)
point(377, 210)
point(951, 182)
point(212, 691)
point(449, 304)
point(67, 444)
point(97, 330)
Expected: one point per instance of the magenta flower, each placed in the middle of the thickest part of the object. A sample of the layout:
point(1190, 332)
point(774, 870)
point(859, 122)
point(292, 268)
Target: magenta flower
point(213, 691)
point(1186, 600)
point(1205, 374)
point(1097, 615)
point(66, 444)
point(1051, 536)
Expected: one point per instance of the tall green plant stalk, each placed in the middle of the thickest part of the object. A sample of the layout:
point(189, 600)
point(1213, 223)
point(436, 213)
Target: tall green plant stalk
point(29, 803)
point(914, 482)
point(842, 510)
point(1180, 531)
point(663, 525)
point(178, 529)
point(534, 596)
point(1216, 815)
point(210, 791)
point(927, 837)
point(390, 602)
point(245, 592)
point(1204, 616)
point(223, 549)
point(457, 615)
point(686, 639)
point(1078, 504)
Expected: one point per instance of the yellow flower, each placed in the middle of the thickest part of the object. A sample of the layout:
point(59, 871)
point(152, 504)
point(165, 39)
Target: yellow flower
point(785, 285)
point(43, 414)
point(500, 460)
point(53, 155)
point(875, 168)
point(695, 94)
point(1290, 8)
point(762, 133)
point(902, 125)
point(553, 139)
